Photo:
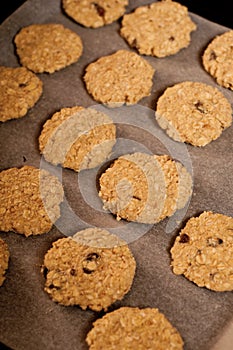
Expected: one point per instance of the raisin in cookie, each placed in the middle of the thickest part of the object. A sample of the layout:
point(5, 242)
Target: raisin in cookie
point(218, 59)
point(77, 138)
point(30, 200)
point(203, 251)
point(134, 328)
point(96, 13)
point(47, 47)
point(93, 269)
point(121, 78)
point(160, 29)
point(20, 89)
point(193, 112)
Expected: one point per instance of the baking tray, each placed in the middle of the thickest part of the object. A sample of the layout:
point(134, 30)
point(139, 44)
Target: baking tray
point(29, 318)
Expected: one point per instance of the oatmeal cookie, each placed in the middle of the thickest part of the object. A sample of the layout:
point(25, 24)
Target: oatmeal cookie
point(92, 269)
point(193, 112)
point(96, 13)
point(20, 89)
point(121, 78)
point(218, 59)
point(77, 138)
point(144, 188)
point(47, 47)
point(133, 188)
point(203, 251)
point(134, 328)
point(159, 29)
point(29, 200)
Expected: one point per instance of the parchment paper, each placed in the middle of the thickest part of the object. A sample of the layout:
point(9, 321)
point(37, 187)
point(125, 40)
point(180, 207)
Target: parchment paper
point(28, 318)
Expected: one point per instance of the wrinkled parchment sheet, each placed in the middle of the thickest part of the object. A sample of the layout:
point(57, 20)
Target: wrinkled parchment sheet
point(29, 319)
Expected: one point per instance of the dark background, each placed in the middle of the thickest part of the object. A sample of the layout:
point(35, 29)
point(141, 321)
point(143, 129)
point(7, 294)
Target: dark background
point(219, 12)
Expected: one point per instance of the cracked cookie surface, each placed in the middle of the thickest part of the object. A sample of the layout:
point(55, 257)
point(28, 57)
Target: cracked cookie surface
point(203, 251)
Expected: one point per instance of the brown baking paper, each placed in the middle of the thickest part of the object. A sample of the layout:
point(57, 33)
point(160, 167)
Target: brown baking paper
point(29, 319)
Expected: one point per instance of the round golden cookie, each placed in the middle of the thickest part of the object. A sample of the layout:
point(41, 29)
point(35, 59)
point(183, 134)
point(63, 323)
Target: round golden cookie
point(47, 47)
point(218, 59)
point(145, 188)
point(96, 13)
point(203, 251)
point(121, 78)
point(193, 112)
point(77, 138)
point(20, 89)
point(83, 272)
point(4, 259)
point(134, 188)
point(29, 200)
point(133, 328)
point(160, 29)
